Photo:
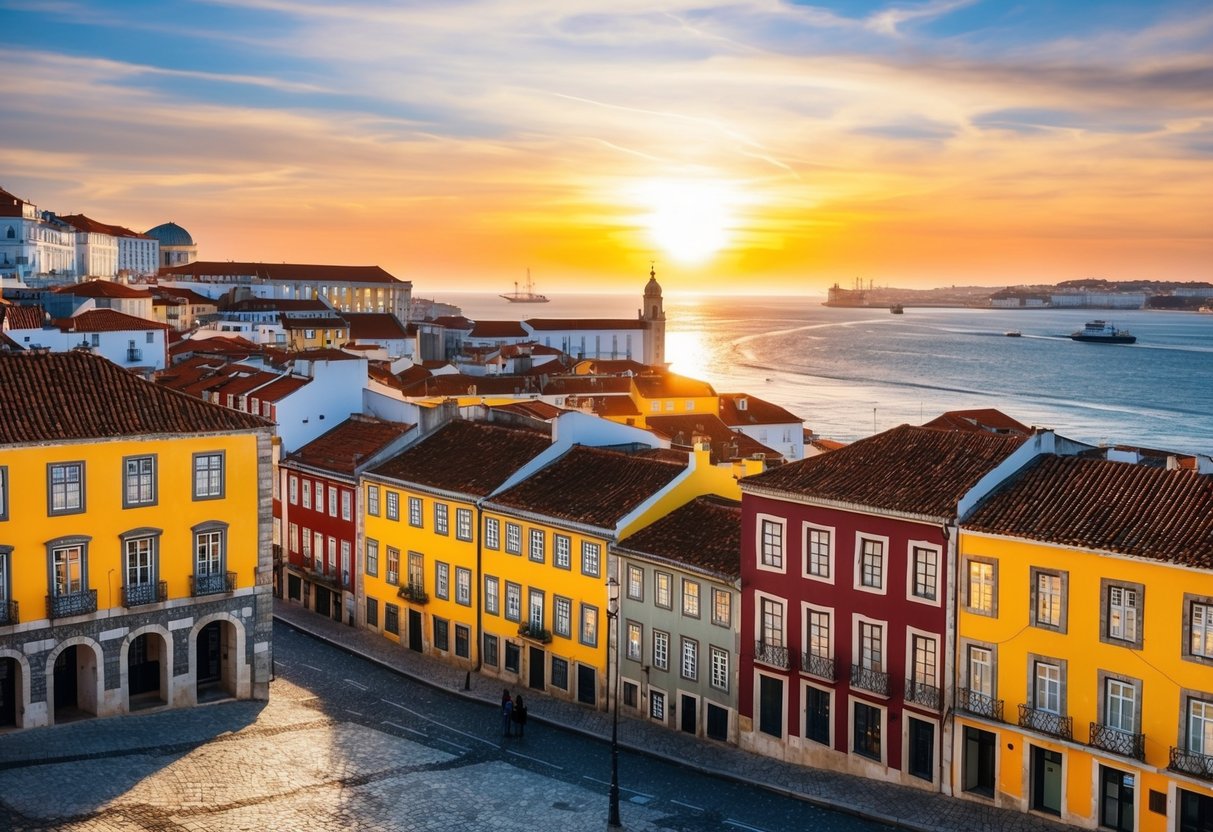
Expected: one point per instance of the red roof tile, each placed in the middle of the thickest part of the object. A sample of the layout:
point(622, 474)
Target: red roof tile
point(458, 384)
point(280, 305)
point(1134, 510)
point(342, 449)
point(987, 419)
point(908, 469)
point(671, 385)
point(52, 397)
point(606, 405)
point(284, 271)
point(615, 366)
point(83, 223)
point(24, 317)
point(566, 324)
point(216, 345)
point(101, 289)
point(727, 444)
point(11, 206)
point(374, 326)
point(754, 411)
point(536, 409)
point(587, 385)
point(497, 329)
point(106, 320)
point(278, 390)
point(179, 293)
point(452, 322)
point(704, 534)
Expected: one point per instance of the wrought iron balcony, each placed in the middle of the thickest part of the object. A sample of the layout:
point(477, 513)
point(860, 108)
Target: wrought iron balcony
point(815, 665)
point(150, 593)
point(8, 613)
point(979, 704)
point(214, 584)
point(1046, 722)
point(318, 574)
point(868, 679)
point(134, 354)
point(921, 693)
point(75, 603)
point(534, 633)
point(772, 654)
point(1189, 762)
point(1118, 741)
point(413, 592)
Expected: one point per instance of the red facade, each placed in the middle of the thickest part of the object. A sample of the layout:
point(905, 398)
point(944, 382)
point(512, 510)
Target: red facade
point(320, 529)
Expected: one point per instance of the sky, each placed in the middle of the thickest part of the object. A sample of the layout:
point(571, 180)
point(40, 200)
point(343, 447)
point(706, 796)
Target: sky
point(745, 145)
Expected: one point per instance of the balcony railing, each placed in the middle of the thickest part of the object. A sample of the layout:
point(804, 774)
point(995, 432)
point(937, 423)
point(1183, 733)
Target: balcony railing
point(414, 593)
point(772, 654)
point(8, 613)
point(76, 603)
point(1118, 741)
point(979, 704)
point(212, 584)
point(150, 593)
point(534, 633)
point(1189, 762)
point(317, 573)
point(134, 354)
point(921, 693)
point(815, 665)
point(866, 678)
point(1046, 722)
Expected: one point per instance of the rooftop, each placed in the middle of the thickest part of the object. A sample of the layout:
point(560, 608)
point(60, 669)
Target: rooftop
point(374, 326)
point(565, 324)
point(497, 329)
point(741, 409)
point(106, 320)
point(986, 419)
point(671, 385)
point(704, 534)
point(683, 429)
point(101, 289)
point(344, 447)
point(284, 271)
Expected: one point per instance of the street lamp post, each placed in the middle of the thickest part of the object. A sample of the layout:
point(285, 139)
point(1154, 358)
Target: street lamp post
point(613, 821)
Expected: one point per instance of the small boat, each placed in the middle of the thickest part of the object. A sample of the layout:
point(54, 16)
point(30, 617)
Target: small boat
point(527, 296)
point(1102, 332)
point(897, 309)
point(1012, 333)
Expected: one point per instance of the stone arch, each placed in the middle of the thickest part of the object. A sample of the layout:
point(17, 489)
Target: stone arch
point(163, 657)
point(89, 674)
point(233, 671)
point(22, 715)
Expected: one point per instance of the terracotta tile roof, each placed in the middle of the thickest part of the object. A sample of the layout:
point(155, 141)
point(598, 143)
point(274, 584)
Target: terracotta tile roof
point(587, 385)
point(458, 384)
point(536, 409)
point(216, 345)
point(284, 271)
point(413, 374)
point(908, 469)
point(566, 324)
point(278, 390)
point(106, 320)
point(101, 289)
point(755, 411)
point(466, 457)
point(592, 486)
point(614, 366)
point(1134, 510)
point(452, 322)
point(280, 305)
point(827, 444)
point(239, 384)
point(727, 444)
point(323, 354)
point(670, 385)
point(374, 326)
point(188, 295)
point(986, 419)
point(704, 534)
point(11, 206)
point(82, 223)
point(24, 317)
point(333, 322)
point(606, 405)
point(52, 397)
point(497, 329)
point(343, 448)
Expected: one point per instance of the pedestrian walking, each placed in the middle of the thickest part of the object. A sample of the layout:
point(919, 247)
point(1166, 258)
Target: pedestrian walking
point(507, 713)
point(519, 715)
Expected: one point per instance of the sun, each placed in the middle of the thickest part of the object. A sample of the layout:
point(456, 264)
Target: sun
point(688, 220)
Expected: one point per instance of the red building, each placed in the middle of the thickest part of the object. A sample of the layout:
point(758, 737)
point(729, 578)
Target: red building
point(847, 598)
point(319, 504)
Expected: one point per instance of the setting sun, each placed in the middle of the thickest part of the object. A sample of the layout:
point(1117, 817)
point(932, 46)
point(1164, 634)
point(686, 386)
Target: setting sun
point(689, 221)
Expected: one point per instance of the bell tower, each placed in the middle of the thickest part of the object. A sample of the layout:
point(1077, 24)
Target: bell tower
point(653, 314)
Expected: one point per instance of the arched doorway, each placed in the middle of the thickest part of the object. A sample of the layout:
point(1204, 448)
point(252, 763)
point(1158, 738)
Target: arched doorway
point(74, 683)
point(147, 671)
point(215, 660)
point(10, 692)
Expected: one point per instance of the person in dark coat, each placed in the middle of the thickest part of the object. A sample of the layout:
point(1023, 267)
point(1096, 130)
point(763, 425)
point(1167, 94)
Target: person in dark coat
point(519, 715)
point(507, 712)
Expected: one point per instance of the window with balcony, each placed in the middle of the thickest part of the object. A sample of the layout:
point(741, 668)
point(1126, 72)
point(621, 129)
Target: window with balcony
point(139, 481)
point(70, 594)
point(922, 687)
point(818, 659)
point(65, 488)
point(770, 544)
point(8, 606)
point(1049, 599)
point(208, 476)
point(535, 609)
point(1200, 726)
point(210, 560)
point(141, 584)
point(981, 591)
point(1047, 695)
point(1045, 710)
point(818, 553)
point(771, 645)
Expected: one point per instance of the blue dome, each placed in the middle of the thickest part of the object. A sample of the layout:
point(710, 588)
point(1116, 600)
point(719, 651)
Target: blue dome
point(171, 234)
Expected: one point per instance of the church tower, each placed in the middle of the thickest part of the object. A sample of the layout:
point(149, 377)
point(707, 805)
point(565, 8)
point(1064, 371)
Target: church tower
point(653, 314)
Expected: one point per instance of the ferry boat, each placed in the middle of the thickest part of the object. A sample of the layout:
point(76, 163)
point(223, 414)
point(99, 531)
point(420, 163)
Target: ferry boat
point(528, 296)
point(1102, 332)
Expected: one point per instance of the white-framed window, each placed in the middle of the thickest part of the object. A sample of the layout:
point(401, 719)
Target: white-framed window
point(925, 649)
point(208, 553)
point(333, 495)
point(1120, 705)
point(345, 563)
point(564, 549)
point(590, 558)
point(661, 650)
point(463, 586)
point(1123, 613)
point(492, 533)
point(656, 697)
point(332, 554)
point(771, 543)
point(562, 613)
point(720, 668)
point(870, 563)
point(319, 488)
point(535, 609)
point(923, 577)
point(1048, 599)
point(690, 658)
point(981, 670)
point(372, 500)
point(69, 564)
point(513, 601)
point(1200, 626)
point(292, 489)
point(818, 553)
point(490, 595)
point(441, 519)
point(1047, 695)
point(442, 580)
point(1200, 726)
point(513, 538)
point(293, 537)
point(535, 551)
point(415, 512)
point(982, 587)
point(690, 598)
point(722, 607)
point(307, 544)
point(463, 523)
point(662, 590)
point(347, 504)
point(635, 582)
point(635, 641)
point(393, 504)
point(871, 645)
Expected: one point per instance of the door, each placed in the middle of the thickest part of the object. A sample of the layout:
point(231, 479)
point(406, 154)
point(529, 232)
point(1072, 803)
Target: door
point(143, 671)
point(415, 630)
point(718, 723)
point(689, 720)
point(1046, 780)
point(324, 601)
point(1195, 812)
point(536, 668)
point(1116, 799)
point(770, 706)
point(209, 653)
point(979, 761)
point(65, 679)
point(8, 692)
point(587, 685)
point(922, 749)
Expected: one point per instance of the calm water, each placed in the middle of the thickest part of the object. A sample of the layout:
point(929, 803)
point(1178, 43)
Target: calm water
point(851, 372)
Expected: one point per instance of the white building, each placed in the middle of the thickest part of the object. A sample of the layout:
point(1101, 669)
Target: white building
point(96, 247)
point(765, 422)
point(35, 246)
point(131, 343)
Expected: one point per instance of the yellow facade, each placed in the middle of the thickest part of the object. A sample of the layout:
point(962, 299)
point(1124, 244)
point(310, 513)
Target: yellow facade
point(1103, 640)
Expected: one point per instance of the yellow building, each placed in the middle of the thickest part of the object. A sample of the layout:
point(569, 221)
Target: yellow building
point(1085, 647)
point(135, 531)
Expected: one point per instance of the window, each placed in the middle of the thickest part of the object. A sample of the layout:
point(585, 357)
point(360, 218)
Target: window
point(372, 500)
point(690, 598)
point(208, 553)
point(138, 481)
point(318, 546)
point(307, 544)
point(771, 622)
point(492, 533)
point(391, 619)
point(819, 633)
point(982, 587)
point(293, 537)
point(513, 538)
point(463, 523)
point(635, 582)
point(924, 659)
point(463, 586)
point(818, 553)
point(345, 563)
point(332, 501)
point(490, 595)
point(65, 487)
point(140, 562)
point(720, 669)
point(589, 625)
point(441, 634)
point(1200, 726)
point(1121, 612)
point(416, 575)
point(560, 673)
point(535, 551)
point(924, 574)
point(513, 601)
point(320, 497)
point(332, 554)
point(869, 572)
point(535, 609)
point(292, 489)
point(1048, 599)
point(415, 511)
point(656, 698)
point(866, 740)
point(442, 579)
point(590, 553)
point(372, 612)
point(564, 548)
point(393, 505)
point(69, 564)
point(690, 658)
point(347, 499)
point(208, 476)
point(1120, 705)
point(871, 645)
point(393, 566)
point(1200, 626)
point(562, 611)
point(372, 557)
point(463, 638)
point(981, 671)
point(770, 544)
point(635, 641)
point(661, 650)
point(440, 518)
point(490, 650)
point(1047, 694)
point(817, 715)
point(722, 607)
point(661, 590)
